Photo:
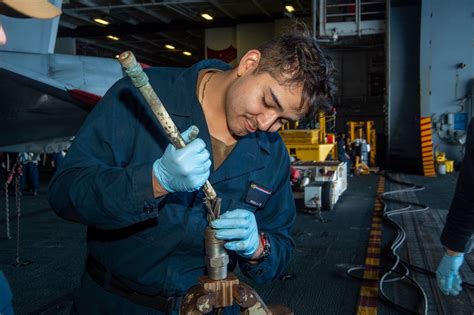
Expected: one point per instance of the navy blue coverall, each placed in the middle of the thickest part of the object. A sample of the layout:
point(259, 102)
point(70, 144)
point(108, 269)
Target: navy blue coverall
point(459, 228)
point(156, 245)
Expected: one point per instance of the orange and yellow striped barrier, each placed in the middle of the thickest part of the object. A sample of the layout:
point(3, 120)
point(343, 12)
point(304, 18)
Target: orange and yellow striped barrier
point(427, 147)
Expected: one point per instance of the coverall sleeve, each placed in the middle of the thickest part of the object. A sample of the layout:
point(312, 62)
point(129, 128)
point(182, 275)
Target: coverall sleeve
point(95, 185)
point(460, 220)
point(276, 221)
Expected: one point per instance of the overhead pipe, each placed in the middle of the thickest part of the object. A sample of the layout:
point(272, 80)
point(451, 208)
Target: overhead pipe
point(314, 12)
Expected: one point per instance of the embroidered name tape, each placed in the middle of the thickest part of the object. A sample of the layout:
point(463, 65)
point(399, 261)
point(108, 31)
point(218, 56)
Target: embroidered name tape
point(257, 195)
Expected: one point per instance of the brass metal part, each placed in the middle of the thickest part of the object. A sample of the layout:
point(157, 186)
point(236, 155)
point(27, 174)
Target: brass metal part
point(140, 80)
point(211, 295)
point(221, 289)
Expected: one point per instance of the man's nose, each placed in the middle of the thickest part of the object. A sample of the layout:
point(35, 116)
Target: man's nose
point(266, 120)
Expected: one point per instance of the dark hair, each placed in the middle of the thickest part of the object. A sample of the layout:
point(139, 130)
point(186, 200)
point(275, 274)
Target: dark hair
point(295, 58)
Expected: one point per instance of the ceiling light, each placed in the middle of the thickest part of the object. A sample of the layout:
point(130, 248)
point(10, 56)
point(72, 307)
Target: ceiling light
point(169, 46)
point(187, 53)
point(290, 8)
point(112, 37)
point(207, 16)
point(101, 21)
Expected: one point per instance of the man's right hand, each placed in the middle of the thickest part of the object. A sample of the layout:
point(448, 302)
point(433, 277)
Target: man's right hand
point(185, 169)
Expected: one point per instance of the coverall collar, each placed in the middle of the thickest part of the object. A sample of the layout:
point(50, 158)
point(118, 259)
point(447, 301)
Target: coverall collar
point(244, 158)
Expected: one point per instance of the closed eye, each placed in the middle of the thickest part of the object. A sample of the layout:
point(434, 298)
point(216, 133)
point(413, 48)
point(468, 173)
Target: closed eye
point(265, 104)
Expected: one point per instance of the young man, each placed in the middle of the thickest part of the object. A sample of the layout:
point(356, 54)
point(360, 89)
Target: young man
point(457, 233)
point(141, 198)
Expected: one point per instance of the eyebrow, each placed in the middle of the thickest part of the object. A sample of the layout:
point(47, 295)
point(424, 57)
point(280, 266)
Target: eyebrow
point(277, 101)
point(280, 107)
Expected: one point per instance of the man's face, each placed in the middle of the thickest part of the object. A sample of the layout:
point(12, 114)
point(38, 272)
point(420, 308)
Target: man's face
point(260, 102)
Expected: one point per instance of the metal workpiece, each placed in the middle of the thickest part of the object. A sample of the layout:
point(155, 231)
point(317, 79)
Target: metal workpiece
point(140, 80)
point(216, 257)
point(214, 206)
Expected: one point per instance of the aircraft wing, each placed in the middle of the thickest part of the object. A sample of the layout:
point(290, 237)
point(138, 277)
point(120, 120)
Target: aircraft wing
point(44, 98)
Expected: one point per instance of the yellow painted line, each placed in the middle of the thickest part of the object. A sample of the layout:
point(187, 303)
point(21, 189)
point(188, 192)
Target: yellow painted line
point(369, 291)
point(373, 250)
point(365, 310)
point(372, 261)
point(376, 232)
point(371, 274)
point(425, 133)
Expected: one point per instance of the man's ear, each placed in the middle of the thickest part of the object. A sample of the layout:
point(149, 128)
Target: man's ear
point(248, 62)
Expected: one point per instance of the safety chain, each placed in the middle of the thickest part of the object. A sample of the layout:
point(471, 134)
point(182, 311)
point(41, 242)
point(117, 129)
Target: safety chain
point(18, 262)
point(12, 173)
point(15, 174)
point(7, 210)
point(18, 214)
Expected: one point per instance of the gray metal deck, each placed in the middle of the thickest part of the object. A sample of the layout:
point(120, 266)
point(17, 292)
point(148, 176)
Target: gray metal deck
point(317, 285)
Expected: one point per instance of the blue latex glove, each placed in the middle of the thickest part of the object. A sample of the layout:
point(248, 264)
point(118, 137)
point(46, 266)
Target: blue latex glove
point(447, 274)
point(239, 228)
point(185, 169)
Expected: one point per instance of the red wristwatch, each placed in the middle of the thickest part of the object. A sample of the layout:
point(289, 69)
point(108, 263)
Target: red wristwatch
point(266, 248)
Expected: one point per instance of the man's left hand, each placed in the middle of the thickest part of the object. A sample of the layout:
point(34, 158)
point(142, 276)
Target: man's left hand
point(239, 228)
point(447, 274)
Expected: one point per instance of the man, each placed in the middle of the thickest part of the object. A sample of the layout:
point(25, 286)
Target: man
point(40, 9)
point(457, 232)
point(56, 159)
point(30, 178)
point(342, 152)
point(141, 199)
